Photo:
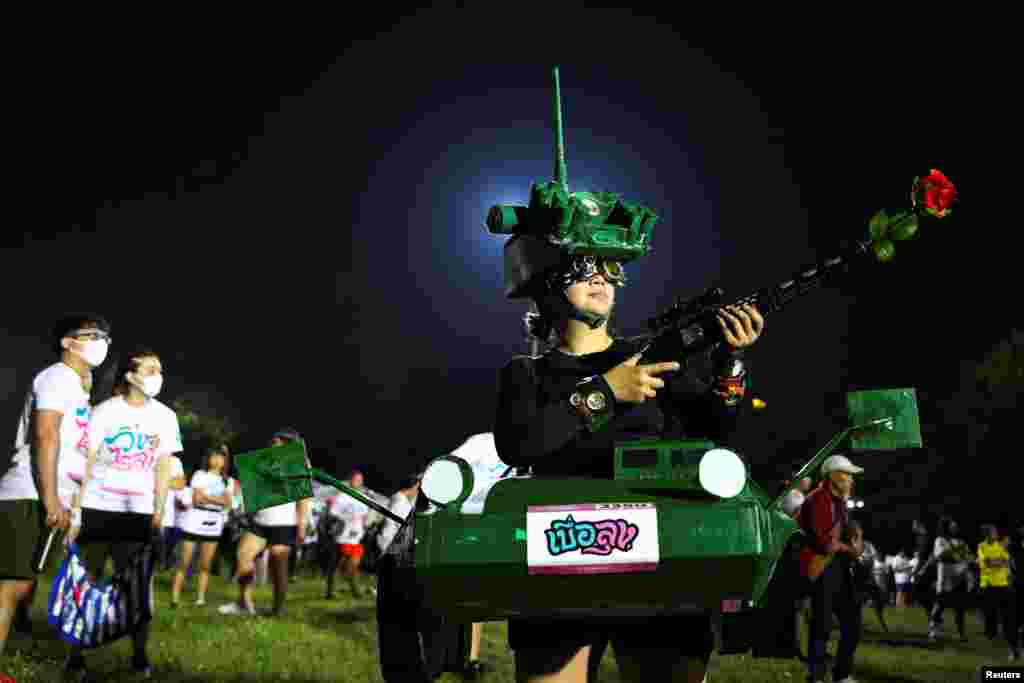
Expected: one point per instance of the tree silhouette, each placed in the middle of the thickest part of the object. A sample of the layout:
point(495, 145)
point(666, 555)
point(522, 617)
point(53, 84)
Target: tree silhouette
point(990, 390)
point(200, 426)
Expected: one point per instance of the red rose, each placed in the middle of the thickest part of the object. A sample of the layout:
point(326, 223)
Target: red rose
point(935, 192)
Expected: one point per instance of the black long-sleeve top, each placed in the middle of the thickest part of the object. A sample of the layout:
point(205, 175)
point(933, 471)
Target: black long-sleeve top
point(536, 425)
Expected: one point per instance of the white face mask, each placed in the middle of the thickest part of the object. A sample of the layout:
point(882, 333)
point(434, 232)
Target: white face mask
point(151, 385)
point(94, 351)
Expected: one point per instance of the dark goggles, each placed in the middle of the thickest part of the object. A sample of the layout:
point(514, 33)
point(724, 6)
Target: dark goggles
point(582, 268)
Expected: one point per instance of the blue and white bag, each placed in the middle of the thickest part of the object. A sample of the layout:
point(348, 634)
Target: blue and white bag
point(90, 614)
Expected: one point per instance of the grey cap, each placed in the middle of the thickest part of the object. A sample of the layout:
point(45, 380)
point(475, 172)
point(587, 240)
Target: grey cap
point(839, 463)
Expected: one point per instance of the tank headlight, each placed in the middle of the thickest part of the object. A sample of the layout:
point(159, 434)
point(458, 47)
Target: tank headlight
point(448, 480)
point(722, 473)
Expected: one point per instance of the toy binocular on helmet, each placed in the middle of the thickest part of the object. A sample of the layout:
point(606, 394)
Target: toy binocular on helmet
point(558, 223)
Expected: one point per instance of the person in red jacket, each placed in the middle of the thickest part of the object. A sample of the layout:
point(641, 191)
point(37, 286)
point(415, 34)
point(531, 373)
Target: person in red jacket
point(825, 562)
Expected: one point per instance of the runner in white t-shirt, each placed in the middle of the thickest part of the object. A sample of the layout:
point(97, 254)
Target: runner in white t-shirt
point(127, 476)
point(352, 515)
point(278, 528)
point(203, 523)
point(902, 567)
point(37, 490)
point(402, 503)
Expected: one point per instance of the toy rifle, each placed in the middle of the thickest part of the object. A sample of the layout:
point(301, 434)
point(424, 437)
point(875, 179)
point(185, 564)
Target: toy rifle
point(690, 327)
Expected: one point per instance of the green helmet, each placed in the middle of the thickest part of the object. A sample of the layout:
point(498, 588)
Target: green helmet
point(559, 224)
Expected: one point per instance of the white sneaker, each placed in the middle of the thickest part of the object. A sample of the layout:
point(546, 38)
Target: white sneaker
point(234, 609)
point(200, 602)
point(848, 679)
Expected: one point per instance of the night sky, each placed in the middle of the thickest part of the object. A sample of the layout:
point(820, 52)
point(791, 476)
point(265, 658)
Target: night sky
point(296, 222)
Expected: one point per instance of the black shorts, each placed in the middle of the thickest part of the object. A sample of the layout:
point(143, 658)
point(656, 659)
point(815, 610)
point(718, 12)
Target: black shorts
point(117, 535)
point(196, 538)
point(24, 532)
point(277, 535)
point(552, 643)
point(112, 527)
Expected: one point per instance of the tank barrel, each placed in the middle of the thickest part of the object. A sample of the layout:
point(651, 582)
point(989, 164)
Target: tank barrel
point(561, 175)
point(325, 478)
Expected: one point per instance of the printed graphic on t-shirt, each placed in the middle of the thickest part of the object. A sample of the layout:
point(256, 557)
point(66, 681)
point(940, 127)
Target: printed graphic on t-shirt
point(81, 419)
point(128, 440)
point(71, 466)
point(131, 450)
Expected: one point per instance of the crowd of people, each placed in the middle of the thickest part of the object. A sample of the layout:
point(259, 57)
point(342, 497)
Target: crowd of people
point(843, 572)
point(111, 477)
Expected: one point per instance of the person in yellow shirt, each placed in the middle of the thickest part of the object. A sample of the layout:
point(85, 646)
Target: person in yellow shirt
point(994, 562)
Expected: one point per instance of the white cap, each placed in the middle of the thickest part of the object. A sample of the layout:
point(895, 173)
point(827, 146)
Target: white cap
point(839, 463)
point(792, 502)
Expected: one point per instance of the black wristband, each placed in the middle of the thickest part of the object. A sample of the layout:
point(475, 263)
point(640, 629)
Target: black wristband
point(594, 401)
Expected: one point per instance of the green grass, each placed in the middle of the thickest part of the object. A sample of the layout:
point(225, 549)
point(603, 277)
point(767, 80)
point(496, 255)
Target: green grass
point(321, 640)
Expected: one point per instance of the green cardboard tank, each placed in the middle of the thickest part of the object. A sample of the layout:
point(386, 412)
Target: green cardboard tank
point(684, 528)
point(680, 528)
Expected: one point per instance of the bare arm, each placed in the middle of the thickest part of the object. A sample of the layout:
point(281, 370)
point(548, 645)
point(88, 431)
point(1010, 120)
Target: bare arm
point(301, 511)
point(45, 450)
point(163, 479)
point(857, 545)
point(90, 466)
point(201, 497)
point(76, 510)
